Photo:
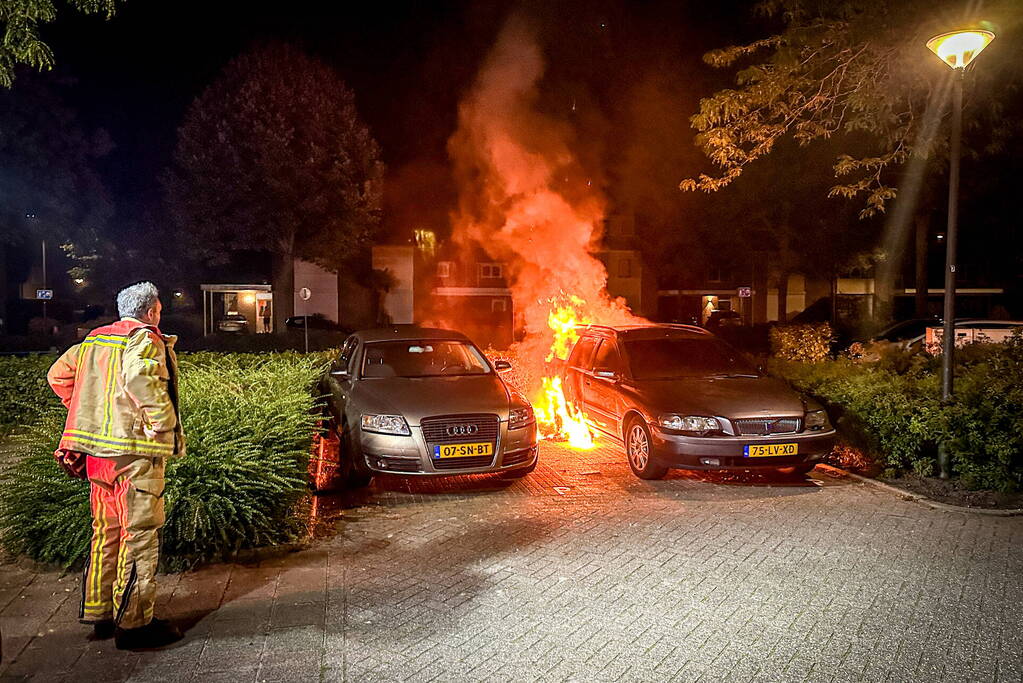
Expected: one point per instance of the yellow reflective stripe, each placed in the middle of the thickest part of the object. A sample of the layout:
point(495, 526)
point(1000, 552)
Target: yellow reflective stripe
point(108, 411)
point(100, 440)
point(112, 338)
point(103, 343)
point(97, 549)
point(101, 437)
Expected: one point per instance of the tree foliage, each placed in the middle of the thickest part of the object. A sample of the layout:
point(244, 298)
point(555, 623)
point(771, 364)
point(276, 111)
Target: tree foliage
point(273, 156)
point(48, 182)
point(20, 43)
point(855, 68)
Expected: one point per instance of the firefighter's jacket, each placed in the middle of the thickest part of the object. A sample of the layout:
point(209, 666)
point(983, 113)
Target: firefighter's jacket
point(121, 391)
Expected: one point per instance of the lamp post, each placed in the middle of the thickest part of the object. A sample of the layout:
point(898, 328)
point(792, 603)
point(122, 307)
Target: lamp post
point(958, 49)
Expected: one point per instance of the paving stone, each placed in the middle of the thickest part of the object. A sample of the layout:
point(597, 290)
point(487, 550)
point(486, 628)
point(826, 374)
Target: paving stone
point(692, 578)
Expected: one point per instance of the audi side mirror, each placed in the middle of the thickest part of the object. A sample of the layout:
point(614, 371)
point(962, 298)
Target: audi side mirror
point(502, 365)
point(606, 373)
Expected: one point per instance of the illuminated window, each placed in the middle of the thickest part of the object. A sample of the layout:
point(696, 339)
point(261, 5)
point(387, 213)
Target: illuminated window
point(444, 269)
point(491, 270)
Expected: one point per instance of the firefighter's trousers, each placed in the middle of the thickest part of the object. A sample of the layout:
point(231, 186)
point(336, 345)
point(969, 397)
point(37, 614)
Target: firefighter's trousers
point(127, 513)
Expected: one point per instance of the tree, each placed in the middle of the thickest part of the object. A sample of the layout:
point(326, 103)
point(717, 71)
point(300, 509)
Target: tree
point(273, 157)
point(49, 188)
point(19, 32)
point(856, 71)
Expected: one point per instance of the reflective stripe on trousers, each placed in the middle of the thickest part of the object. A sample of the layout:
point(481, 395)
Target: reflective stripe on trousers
point(127, 513)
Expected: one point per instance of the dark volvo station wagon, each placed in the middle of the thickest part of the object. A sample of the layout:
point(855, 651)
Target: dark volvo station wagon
point(677, 396)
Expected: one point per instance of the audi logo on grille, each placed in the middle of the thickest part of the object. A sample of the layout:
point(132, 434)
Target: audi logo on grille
point(461, 430)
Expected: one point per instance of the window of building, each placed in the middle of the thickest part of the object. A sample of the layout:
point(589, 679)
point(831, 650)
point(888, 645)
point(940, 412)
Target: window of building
point(625, 267)
point(718, 274)
point(444, 269)
point(498, 305)
point(491, 270)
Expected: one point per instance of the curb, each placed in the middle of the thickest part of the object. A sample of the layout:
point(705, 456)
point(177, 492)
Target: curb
point(919, 498)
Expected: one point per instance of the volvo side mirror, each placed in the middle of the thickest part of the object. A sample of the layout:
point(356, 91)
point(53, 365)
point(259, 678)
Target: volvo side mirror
point(502, 365)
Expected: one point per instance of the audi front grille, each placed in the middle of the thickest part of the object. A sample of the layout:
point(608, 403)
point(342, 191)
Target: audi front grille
point(442, 430)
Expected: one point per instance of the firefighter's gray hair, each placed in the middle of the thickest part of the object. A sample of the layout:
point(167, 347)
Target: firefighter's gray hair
point(134, 301)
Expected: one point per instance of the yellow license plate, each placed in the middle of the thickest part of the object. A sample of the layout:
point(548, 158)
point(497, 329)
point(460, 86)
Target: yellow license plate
point(770, 450)
point(463, 450)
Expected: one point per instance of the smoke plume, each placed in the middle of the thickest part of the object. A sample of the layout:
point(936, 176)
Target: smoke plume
point(524, 198)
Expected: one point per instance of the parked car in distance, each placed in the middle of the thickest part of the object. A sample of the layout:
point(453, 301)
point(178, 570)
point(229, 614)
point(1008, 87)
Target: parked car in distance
point(425, 402)
point(912, 334)
point(676, 396)
point(233, 323)
point(317, 321)
point(719, 318)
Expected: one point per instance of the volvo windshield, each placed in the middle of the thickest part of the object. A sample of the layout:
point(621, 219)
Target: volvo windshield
point(652, 359)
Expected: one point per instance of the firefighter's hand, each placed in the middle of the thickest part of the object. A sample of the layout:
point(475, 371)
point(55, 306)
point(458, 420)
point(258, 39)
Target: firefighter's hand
point(150, 432)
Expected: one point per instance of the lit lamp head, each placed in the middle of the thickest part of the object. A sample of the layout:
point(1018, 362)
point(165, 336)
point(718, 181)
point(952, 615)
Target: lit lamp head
point(959, 48)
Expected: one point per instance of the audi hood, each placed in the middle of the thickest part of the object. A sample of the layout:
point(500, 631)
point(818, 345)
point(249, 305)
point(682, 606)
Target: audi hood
point(419, 397)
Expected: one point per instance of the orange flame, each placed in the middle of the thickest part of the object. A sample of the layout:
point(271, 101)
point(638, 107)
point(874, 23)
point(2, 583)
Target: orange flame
point(558, 419)
point(563, 320)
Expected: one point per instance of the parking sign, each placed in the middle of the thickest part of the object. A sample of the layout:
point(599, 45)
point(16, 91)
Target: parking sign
point(44, 294)
point(745, 292)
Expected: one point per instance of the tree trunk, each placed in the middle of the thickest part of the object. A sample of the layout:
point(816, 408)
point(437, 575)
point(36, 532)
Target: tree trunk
point(283, 289)
point(922, 224)
point(4, 322)
point(783, 297)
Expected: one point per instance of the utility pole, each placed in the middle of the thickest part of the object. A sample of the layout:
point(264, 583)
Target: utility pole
point(44, 280)
point(957, 49)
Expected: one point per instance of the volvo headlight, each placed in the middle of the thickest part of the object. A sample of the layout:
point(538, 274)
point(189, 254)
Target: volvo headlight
point(520, 417)
point(689, 423)
point(816, 420)
point(386, 424)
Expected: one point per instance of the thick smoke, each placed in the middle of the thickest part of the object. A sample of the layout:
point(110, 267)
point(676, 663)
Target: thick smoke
point(523, 196)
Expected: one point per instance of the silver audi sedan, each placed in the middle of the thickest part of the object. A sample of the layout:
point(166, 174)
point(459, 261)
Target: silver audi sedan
point(426, 402)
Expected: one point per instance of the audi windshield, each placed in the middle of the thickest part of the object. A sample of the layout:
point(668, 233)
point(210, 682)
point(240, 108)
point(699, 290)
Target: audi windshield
point(423, 358)
point(652, 359)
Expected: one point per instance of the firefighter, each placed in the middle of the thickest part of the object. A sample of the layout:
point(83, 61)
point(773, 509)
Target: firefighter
point(120, 388)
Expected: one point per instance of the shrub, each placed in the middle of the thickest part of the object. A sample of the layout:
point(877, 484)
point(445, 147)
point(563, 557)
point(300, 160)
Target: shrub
point(892, 408)
point(984, 425)
point(249, 422)
point(23, 389)
point(810, 343)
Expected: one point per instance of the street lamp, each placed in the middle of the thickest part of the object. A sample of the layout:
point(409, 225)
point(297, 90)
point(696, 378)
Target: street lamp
point(958, 49)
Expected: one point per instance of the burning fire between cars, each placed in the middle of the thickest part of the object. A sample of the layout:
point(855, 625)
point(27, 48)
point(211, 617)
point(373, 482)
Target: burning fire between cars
point(528, 201)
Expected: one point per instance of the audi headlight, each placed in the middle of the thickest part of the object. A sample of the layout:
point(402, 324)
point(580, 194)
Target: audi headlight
point(386, 424)
point(689, 423)
point(520, 417)
point(816, 420)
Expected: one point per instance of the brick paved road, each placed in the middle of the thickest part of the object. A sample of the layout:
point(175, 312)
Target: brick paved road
point(579, 572)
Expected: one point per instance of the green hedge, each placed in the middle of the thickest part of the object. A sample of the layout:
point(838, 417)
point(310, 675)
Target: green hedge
point(808, 342)
point(23, 389)
point(249, 421)
point(891, 407)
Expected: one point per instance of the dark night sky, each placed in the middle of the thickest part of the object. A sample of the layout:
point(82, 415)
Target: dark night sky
point(408, 63)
